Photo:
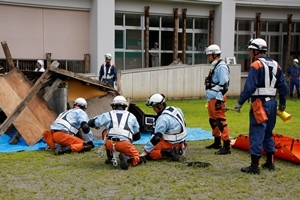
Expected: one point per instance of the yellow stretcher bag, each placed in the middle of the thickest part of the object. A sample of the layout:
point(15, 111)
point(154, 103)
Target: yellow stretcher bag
point(259, 111)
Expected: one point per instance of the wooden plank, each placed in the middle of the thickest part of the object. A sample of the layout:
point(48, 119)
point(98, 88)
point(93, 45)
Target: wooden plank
point(32, 120)
point(51, 90)
point(8, 55)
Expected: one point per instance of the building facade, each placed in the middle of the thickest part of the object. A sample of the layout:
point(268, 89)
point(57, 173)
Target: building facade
point(128, 29)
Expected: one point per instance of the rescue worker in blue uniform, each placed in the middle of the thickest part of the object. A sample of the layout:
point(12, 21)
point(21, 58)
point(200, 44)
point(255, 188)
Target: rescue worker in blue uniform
point(294, 75)
point(122, 129)
point(64, 130)
point(169, 132)
point(108, 71)
point(216, 86)
point(265, 77)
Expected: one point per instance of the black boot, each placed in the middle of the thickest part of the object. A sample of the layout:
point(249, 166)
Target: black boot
point(291, 95)
point(172, 152)
point(254, 167)
point(216, 145)
point(123, 161)
point(270, 161)
point(298, 96)
point(226, 148)
point(88, 145)
point(109, 157)
point(62, 150)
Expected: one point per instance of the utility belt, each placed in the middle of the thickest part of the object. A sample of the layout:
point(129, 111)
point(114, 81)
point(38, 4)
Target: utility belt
point(53, 131)
point(175, 137)
point(262, 98)
point(113, 138)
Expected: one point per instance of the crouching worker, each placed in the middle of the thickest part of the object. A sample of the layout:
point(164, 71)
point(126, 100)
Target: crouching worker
point(122, 129)
point(169, 133)
point(66, 126)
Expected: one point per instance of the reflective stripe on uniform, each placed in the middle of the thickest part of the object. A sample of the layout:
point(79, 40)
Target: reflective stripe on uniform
point(62, 119)
point(119, 128)
point(175, 135)
point(269, 89)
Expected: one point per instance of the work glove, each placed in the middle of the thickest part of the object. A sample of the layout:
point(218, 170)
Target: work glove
point(144, 154)
point(218, 104)
point(281, 107)
point(237, 107)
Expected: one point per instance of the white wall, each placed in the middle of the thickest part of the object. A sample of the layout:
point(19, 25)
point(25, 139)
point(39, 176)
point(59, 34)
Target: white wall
point(176, 82)
point(32, 32)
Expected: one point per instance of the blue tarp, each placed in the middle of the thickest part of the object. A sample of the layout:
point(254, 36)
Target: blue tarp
point(193, 135)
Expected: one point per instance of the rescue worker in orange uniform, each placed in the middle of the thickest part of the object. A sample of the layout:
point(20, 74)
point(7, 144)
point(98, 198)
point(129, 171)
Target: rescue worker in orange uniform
point(169, 133)
point(265, 77)
point(122, 129)
point(66, 126)
point(216, 86)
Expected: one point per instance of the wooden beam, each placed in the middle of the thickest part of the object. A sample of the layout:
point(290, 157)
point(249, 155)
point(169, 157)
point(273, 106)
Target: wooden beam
point(211, 26)
point(146, 37)
point(288, 44)
point(8, 55)
point(47, 96)
point(48, 60)
point(183, 39)
point(86, 63)
point(52, 89)
point(258, 25)
point(33, 91)
point(175, 34)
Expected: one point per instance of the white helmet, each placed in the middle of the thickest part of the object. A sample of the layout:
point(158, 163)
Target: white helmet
point(213, 49)
point(119, 101)
point(155, 99)
point(258, 44)
point(81, 102)
point(296, 60)
point(108, 56)
point(41, 62)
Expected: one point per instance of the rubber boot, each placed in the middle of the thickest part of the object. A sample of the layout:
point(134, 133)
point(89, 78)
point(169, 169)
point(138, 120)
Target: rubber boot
point(123, 161)
point(298, 96)
point(254, 167)
point(216, 145)
point(109, 157)
point(291, 95)
point(270, 161)
point(88, 145)
point(172, 152)
point(226, 148)
point(62, 150)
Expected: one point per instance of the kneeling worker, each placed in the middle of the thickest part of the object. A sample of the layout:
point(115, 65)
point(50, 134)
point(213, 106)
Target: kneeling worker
point(169, 133)
point(65, 128)
point(122, 129)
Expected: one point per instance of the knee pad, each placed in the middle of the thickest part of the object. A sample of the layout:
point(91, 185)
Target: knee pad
point(220, 125)
point(212, 123)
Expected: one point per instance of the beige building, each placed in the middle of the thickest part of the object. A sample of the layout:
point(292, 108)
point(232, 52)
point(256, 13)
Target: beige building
point(71, 29)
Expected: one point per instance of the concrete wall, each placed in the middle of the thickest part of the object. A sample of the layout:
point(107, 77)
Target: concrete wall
point(176, 82)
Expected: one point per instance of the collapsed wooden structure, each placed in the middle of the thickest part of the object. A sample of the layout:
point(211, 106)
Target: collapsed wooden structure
point(25, 96)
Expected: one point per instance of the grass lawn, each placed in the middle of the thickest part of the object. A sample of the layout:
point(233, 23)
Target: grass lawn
point(41, 175)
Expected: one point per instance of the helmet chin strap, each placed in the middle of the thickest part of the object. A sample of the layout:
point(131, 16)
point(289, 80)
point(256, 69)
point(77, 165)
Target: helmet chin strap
point(214, 57)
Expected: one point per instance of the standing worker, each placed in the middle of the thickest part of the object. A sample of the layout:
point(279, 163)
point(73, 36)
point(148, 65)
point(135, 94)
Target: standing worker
point(65, 128)
point(294, 75)
point(264, 78)
point(155, 56)
point(39, 66)
point(108, 71)
point(122, 129)
point(216, 86)
point(169, 133)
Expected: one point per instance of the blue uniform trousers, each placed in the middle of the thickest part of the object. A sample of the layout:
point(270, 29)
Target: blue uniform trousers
point(261, 134)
